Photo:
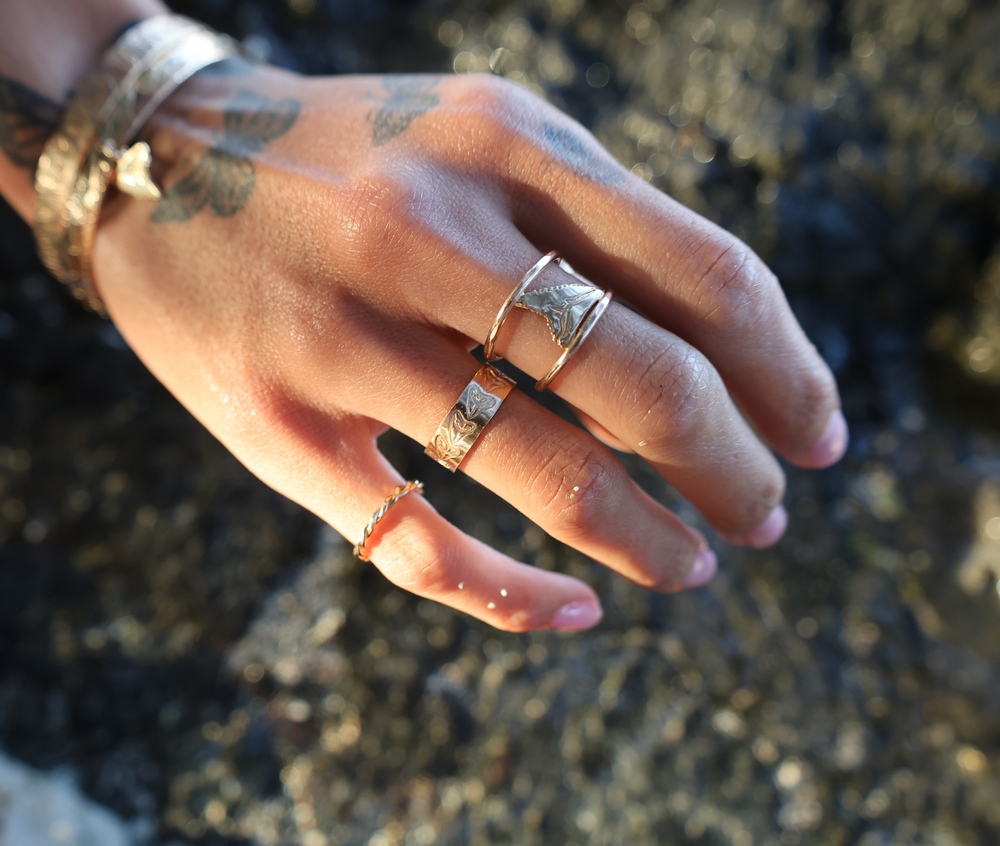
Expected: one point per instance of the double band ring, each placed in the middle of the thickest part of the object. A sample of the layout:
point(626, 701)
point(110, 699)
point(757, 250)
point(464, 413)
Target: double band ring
point(361, 547)
point(469, 417)
point(576, 339)
point(571, 311)
point(489, 347)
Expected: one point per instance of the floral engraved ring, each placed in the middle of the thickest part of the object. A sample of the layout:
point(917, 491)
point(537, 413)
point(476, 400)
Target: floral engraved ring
point(469, 417)
point(571, 311)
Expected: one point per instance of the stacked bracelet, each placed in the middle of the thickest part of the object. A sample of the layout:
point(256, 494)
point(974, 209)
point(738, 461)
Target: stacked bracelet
point(86, 154)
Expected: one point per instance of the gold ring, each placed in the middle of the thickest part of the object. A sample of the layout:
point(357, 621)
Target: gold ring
point(360, 548)
point(583, 330)
point(469, 417)
point(489, 347)
point(571, 310)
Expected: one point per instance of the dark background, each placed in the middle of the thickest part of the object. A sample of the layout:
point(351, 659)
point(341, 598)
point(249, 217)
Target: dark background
point(214, 665)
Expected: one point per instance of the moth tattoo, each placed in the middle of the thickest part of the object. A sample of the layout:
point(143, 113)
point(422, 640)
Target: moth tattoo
point(223, 178)
point(408, 98)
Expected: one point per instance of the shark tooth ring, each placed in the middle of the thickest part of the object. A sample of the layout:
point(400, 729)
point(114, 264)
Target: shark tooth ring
point(571, 311)
point(361, 547)
point(583, 329)
point(469, 416)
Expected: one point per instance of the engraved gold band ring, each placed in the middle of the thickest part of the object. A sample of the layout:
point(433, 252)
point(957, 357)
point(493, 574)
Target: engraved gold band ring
point(469, 417)
point(361, 547)
point(571, 311)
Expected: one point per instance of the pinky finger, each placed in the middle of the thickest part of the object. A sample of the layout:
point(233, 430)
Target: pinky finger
point(420, 551)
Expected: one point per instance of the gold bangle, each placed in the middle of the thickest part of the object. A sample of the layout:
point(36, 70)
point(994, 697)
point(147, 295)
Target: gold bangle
point(83, 156)
point(361, 547)
point(467, 419)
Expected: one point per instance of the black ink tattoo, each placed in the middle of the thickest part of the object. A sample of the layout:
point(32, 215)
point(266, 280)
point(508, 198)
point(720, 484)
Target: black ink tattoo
point(223, 178)
point(27, 119)
point(568, 147)
point(408, 98)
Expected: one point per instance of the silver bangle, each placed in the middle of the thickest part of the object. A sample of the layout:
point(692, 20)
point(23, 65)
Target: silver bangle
point(85, 154)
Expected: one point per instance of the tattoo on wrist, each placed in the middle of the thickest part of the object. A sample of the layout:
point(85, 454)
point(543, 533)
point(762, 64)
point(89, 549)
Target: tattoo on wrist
point(567, 146)
point(408, 98)
point(223, 177)
point(27, 119)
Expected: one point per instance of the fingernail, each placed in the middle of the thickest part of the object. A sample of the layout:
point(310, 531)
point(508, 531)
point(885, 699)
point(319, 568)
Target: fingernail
point(832, 445)
point(577, 616)
point(703, 569)
point(770, 531)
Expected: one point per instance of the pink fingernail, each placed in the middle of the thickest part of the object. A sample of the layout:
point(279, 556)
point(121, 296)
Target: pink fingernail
point(770, 531)
point(703, 569)
point(577, 616)
point(832, 445)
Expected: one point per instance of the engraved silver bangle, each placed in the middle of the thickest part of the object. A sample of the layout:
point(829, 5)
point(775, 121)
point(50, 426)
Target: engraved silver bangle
point(78, 163)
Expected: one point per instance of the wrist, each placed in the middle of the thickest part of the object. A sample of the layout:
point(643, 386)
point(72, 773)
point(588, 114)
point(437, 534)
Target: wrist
point(47, 48)
point(93, 149)
point(51, 45)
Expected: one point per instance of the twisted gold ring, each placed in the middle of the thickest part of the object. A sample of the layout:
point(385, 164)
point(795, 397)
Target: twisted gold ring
point(360, 548)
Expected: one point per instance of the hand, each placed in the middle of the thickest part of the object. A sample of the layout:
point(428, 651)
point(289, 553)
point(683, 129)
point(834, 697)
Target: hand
point(327, 253)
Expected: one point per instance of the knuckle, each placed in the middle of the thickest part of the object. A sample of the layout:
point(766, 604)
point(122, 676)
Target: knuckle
point(816, 392)
point(498, 100)
point(518, 621)
point(733, 285)
point(750, 510)
point(367, 219)
point(254, 410)
point(492, 92)
point(572, 485)
point(667, 578)
point(669, 402)
point(492, 120)
point(421, 562)
point(265, 428)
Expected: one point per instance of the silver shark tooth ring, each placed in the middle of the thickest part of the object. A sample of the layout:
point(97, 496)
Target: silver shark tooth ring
point(571, 310)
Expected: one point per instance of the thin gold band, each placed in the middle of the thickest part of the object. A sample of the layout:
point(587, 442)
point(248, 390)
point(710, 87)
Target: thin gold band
point(361, 547)
point(489, 347)
point(469, 416)
point(578, 338)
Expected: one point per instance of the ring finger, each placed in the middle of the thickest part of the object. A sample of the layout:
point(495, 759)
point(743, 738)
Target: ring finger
point(643, 385)
point(551, 471)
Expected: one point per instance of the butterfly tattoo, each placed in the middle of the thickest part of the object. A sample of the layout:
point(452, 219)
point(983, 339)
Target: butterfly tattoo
point(408, 98)
point(27, 119)
point(223, 178)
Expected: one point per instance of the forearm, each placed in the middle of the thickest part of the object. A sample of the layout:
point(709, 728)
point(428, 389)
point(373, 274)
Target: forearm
point(47, 47)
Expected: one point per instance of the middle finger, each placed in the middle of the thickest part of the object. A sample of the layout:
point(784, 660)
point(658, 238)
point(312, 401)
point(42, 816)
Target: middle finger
point(650, 389)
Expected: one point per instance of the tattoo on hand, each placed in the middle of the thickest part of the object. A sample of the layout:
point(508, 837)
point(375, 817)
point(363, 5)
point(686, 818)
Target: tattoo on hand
point(223, 178)
point(27, 119)
point(574, 154)
point(408, 98)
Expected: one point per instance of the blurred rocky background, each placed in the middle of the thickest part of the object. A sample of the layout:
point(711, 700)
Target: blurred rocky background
point(210, 665)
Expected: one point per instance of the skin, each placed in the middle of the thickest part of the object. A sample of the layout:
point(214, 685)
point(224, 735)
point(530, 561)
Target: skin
point(328, 252)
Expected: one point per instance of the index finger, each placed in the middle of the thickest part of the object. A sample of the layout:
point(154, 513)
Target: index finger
point(689, 276)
